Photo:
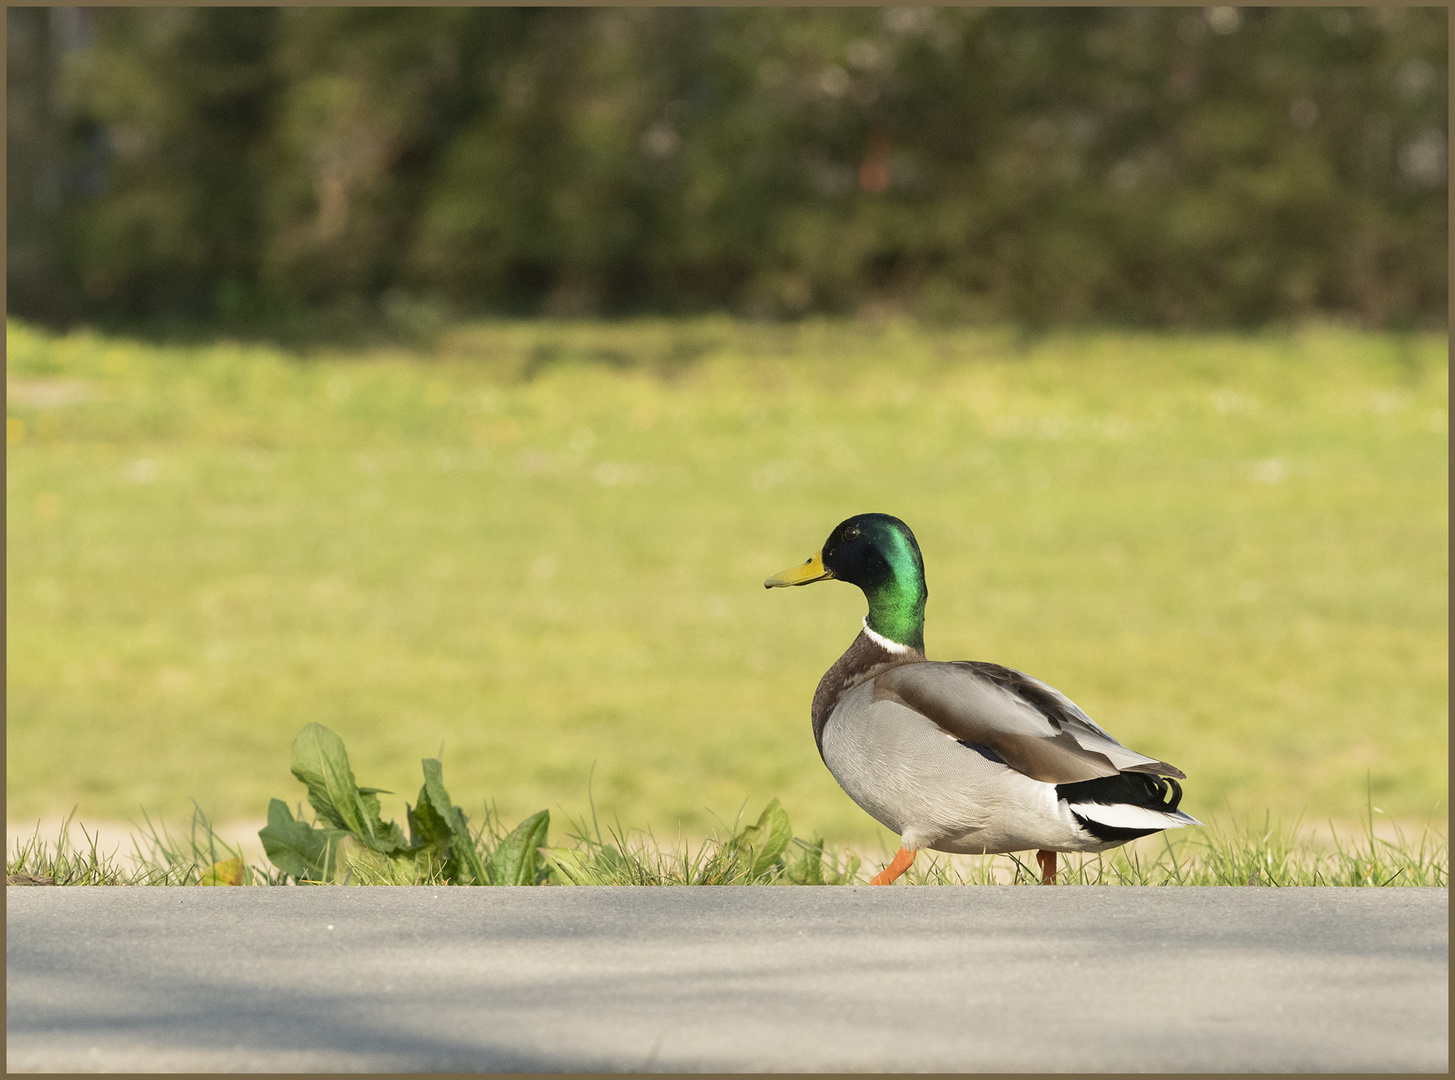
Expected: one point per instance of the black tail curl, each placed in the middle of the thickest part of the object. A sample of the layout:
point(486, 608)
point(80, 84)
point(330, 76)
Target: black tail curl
point(1124, 789)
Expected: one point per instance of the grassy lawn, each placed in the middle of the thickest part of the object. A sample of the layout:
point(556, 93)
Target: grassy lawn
point(539, 548)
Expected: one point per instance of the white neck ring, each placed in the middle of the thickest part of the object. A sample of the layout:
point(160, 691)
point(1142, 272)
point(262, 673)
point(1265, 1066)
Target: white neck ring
point(883, 642)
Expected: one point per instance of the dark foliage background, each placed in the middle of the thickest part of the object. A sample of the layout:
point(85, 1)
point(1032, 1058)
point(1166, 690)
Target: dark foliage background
point(1180, 166)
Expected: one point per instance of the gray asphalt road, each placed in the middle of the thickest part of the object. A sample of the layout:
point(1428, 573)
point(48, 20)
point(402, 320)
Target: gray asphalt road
point(727, 979)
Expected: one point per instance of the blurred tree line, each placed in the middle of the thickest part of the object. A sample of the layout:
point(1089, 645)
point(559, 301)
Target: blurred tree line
point(1175, 166)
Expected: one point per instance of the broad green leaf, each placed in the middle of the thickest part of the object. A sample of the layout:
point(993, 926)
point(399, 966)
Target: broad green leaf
point(808, 870)
point(514, 860)
point(384, 837)
point(280, 840)
point(302, 851)
point(224, 872)
point(428, 828)
point(322, 763)
point(768, 838)
point(278, 813)
point(463, 866)
point(566, 865)
point(297, 848)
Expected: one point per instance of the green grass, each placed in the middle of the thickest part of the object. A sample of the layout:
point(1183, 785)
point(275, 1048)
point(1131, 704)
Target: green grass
point(1270, 856)
point(540, 547)
point(158, 857)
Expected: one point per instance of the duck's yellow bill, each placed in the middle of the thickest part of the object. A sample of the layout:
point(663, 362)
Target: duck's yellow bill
point(802, 574)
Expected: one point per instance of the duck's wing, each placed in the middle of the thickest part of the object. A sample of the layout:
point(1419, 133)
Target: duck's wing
point(1032, 727)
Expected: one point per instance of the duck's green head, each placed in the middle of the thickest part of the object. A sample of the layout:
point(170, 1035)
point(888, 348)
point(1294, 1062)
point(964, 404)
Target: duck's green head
point(879, 554)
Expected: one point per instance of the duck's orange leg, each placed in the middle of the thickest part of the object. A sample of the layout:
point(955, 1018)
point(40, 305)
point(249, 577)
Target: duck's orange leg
point(1047, 859)
point(887, 876)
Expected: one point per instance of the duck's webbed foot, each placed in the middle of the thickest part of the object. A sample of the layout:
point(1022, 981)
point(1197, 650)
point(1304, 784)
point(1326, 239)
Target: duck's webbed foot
point(891, 873)
point(1047, 859)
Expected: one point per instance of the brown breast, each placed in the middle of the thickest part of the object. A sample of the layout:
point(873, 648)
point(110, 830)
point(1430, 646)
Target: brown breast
point(862, 660)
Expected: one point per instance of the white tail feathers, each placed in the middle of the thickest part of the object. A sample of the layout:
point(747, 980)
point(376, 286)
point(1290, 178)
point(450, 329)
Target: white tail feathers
point(1125, 816)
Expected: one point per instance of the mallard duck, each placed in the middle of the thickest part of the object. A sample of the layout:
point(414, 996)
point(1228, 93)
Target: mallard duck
point(965, 756)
